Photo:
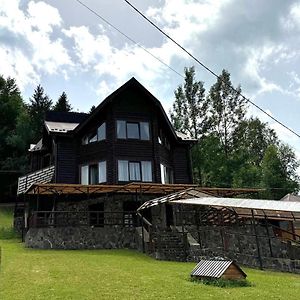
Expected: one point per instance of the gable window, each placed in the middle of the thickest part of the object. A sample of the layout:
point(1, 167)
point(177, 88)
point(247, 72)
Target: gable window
point(133, 130)
point(98, 134)
point(166, 174)
point(93, 173)
point(101, 132)
point(134, 170)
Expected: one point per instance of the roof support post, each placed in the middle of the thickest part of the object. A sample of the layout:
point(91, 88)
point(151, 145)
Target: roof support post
point(184, 237)
point(257, 241)
point(268, 234)
point(197, 217)
point(222, 233)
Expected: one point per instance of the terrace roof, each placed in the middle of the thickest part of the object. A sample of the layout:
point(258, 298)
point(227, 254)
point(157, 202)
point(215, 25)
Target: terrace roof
point(258, 208)
point(143, 188)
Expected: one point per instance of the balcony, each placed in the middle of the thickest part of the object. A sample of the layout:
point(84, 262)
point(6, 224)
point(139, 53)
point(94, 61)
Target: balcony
point(45, 175)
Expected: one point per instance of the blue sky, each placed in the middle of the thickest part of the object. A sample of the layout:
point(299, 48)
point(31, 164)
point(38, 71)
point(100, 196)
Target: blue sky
point(64, 47)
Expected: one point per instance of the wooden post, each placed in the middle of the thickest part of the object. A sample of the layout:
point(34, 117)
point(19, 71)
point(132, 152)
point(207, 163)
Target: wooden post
point(268, 234)
point(257, 241)
point(197, 223)
point(222, 229)
point(184, 238)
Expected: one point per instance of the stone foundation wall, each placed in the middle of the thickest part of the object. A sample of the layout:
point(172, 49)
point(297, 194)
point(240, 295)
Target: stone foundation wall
point(81, 238)
point(239, 245)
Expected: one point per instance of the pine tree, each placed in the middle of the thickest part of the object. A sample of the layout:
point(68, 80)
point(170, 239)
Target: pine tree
point(189, 108)
point(13, 121)
point(38, 106)
point(62, 104)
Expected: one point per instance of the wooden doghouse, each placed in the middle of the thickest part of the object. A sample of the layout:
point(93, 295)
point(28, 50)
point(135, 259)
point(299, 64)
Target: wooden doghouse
point(217, 269)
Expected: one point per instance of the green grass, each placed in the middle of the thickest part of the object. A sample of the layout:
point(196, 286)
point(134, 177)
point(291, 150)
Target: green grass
point(121, 274)
point(6, 222)
point(6, 216)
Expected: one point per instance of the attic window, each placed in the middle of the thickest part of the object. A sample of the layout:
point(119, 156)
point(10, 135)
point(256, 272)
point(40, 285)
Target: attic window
point(133, 130)
point(96, 135)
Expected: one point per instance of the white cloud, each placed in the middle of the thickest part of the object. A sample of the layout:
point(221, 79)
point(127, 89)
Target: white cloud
point(29, 47)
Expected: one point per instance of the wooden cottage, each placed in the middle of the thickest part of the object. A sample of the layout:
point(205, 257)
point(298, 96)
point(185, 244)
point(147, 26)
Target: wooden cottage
point(103, 166)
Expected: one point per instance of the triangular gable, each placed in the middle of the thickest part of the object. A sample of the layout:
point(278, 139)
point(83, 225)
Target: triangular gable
point(129, 84)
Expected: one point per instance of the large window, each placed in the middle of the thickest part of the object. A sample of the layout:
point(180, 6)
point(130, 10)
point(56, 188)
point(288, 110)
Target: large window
point(133, 130)
point(93, 173)
point(166, 174)
point(134, 170)
point(98, 134)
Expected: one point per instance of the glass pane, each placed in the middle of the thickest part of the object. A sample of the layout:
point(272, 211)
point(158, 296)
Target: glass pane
point(145, 134)
point(93, 138)
point(162, 173)
point(133, 131)
point(85, 175)
point(166, 175)
point(134, 171)
point(102, 132)
point(102, 171)
point(123, 170)
point(93, 174)
point(85, 140)
point(146, 171)
point(121, 129)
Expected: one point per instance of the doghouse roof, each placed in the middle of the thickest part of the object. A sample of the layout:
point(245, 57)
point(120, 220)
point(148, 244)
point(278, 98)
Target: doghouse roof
point(214, 268)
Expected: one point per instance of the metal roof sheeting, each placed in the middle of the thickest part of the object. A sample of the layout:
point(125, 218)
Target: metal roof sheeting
point(287, 206)
point(188, 193)
point(213, 268)
point(60, 126)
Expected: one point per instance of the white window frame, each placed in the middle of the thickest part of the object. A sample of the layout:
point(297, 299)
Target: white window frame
point(143, 165)
point(85, 172)
point(139, 123)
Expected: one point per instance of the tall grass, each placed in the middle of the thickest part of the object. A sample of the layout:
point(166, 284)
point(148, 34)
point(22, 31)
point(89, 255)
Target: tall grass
point(6, 223)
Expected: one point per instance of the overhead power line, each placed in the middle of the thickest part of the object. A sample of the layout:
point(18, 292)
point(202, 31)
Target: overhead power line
point(128, 37)
point(209, 70)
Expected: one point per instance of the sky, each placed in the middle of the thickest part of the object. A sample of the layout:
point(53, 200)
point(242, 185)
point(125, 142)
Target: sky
point(64, 47)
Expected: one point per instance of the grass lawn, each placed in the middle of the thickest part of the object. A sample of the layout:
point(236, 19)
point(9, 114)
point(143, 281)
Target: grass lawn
point(120, 274)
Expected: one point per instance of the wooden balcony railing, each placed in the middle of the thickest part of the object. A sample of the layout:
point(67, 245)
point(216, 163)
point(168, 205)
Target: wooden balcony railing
point(83, 218)
point(41, 176)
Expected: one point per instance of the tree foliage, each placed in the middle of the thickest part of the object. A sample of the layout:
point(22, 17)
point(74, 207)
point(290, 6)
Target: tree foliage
point(235, 151)
point(227, 109)
point(188, 114)
point(38, 106)
point(62, 104)
point(15, 127)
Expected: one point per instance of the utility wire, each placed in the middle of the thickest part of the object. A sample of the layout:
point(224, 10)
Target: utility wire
point(209, 70)
point(128, 37)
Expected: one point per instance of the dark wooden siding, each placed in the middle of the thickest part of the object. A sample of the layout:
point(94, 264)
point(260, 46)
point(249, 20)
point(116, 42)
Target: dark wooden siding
point(182, 167)
point(67, 167)
point(131, 105)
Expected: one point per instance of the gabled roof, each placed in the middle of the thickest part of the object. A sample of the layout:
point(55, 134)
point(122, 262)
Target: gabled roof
point(132, 83)
point(36, 147)
point(65, 117)
point(291, 197)
point(63, 122)
point(214, 268)
point(60, 126)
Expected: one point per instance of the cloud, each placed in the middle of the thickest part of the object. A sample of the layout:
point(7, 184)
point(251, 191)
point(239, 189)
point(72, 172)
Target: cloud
point(29, 47)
